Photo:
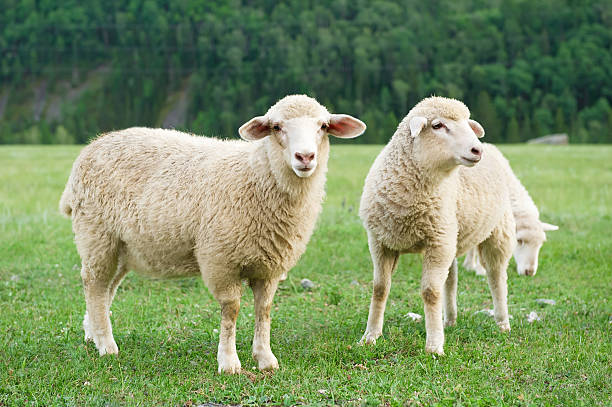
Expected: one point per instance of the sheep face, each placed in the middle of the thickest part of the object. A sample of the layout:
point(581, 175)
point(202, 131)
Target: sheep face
point(301, 137)
point(454, 141)
point(529, 243)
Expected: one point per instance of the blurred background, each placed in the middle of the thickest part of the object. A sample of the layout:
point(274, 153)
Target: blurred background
point(72, 69)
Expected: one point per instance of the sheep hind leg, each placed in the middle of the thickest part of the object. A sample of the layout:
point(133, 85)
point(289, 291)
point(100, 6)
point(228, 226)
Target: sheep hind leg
point(470, 259)
point(472, 262)
point(495, 253)
point(263, 293)
point(384, 261)
point(450, 296)
point(97, 279)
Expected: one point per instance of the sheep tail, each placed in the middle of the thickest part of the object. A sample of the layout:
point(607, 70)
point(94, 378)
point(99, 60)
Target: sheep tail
point(66, 199)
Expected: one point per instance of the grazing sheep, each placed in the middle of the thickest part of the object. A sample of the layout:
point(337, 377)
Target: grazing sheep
point(169, 204)
point(530, 231)
point(420, 197)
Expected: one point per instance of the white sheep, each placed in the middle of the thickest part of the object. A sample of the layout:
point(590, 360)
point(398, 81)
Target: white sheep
point(169, 204)
point(421, 197)
point(530, 231)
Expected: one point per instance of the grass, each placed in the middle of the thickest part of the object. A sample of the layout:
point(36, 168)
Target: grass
point(166, 330)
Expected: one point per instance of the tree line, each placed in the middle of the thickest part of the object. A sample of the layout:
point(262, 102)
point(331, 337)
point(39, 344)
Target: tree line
point(525, 68)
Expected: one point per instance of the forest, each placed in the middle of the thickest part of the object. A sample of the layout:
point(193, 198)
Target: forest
point(73, 69)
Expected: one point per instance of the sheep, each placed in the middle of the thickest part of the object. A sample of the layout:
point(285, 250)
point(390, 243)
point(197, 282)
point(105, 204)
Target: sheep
point(530, 231)
point(169, 204)
point(434, 189)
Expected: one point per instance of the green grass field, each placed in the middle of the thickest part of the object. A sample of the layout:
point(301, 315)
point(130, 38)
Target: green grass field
point(166, 329)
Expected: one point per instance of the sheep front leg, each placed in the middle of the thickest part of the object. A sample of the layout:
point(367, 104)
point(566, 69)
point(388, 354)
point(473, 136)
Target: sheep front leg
point(225, 285)
point(450, 296)
point(263, 293)
point(436, 266)
point(226, 354)
point(384, 261)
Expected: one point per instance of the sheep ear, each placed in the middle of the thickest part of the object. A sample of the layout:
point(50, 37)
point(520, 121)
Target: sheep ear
point(477, 128)
point(416, 125)
point(547, 227)
point(345, 126)
point(255, 129)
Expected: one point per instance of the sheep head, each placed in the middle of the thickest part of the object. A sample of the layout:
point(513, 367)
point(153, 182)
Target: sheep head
point(300, 125)
point(443, 125)
point(529, 243)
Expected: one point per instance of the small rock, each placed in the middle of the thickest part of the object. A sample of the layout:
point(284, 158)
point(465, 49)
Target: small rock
point(560, 138)
point(533, 316)
point(545, 301)
point(415, 317)
point(307, 284)
point(14, 277)
point(321, 391)
point(355, 282)
point(215, 331)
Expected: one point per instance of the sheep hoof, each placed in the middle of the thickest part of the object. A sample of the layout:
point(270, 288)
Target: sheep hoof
point(437, 349)
point(108, 347)
point(504, 326)
point(229, 365)
point(267, 362)
point(369, 338)
point(450, 322)
point(480, 271)
point(88, 334)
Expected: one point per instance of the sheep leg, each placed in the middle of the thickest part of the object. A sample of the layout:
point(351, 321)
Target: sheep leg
point(227, 290)
point(227, 357)
point(450, 296)
point(225, 284)
point(263, 293)
point(384, 261)
point(111, 291)
point(472, 262)
point(122, 270)
point(495, 253)
point(98, 251)
point(436, 266)
point(96, 322)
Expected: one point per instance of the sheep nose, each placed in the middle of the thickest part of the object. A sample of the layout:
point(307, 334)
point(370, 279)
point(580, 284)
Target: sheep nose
point(477, 151)
point(529, 272)
point(305, 158)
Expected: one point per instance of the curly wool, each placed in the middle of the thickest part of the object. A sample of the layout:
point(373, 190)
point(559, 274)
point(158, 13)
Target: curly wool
point(167, 194)
point(402, 201)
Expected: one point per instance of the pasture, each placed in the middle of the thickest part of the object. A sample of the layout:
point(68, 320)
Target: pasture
point(166, 330)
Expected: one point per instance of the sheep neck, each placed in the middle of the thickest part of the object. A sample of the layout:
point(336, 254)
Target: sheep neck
point(426, 174)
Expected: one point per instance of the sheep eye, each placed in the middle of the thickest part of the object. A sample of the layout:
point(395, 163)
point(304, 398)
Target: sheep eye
point(437, 126)
point(276, 127)
point(520, 242)
point(324, 126)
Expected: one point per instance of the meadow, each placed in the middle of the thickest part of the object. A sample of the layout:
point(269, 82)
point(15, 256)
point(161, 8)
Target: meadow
point(166, 330)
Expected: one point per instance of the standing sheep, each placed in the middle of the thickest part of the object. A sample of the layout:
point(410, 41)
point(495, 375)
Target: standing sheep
point(169, 204)
point(530, 231)
point(420, 197)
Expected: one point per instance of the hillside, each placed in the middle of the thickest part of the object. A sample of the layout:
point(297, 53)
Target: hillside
point(526, 68)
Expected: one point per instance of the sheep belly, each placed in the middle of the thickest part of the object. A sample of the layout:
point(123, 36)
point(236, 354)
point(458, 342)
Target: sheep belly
point(162, 262)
